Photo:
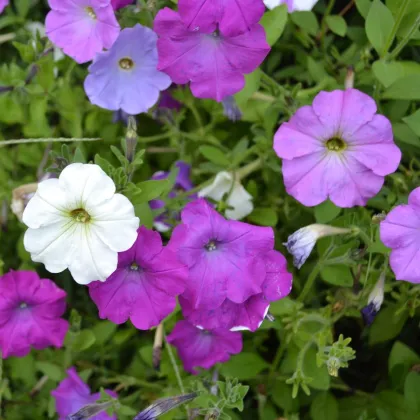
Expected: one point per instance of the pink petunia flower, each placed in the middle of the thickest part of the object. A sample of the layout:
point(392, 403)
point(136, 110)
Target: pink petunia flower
point(250, 314)
point(119, 4)
point(400, 231)
point(82, 28)
point(3, 4)
point(338, 148)
point(223, 256)
point(202, 348)
point(30, 311)
point(72, 394)
point(214, 62)
point(231, 17)
point(144, 286)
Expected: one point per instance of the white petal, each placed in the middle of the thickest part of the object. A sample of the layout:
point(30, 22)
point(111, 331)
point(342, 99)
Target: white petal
point(304, 5)
point(161, 227)
point(271, 4)
point(221, 185)
point(241, 201)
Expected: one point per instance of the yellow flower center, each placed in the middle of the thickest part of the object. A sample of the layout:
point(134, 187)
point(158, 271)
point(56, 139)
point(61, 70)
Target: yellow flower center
point(91, 13)
point(80, 215)
point(211, 246)
point(335, 144)
point(126, 63)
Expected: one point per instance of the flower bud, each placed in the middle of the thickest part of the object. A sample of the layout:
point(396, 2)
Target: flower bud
point(349, 81)
point(230, 109)
point(375, 300)
point(20, 198)
point(89, 411)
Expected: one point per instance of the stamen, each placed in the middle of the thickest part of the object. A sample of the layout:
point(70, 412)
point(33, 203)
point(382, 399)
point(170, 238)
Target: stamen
point(80, 215)
point(335, 144)
point(90, 12)
point(126, 63)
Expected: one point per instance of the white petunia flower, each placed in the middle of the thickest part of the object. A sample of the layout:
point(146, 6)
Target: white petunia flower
point(292, 5)
point(301, 243)
point(78, 222)
point(238, 197)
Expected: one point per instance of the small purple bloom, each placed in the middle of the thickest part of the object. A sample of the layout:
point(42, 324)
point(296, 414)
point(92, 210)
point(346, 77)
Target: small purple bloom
point(167, 101)
point(82, 28)
point(144, 286)
point(3, 4)
point(214, 62)
point(250, 314)
point(201, 348)
point(125, 77)
point(72, 394)
point(400, 231)
point(119, 4)
point(224, 257)
point(30, 311)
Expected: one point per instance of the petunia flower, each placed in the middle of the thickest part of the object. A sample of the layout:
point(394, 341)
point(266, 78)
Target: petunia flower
point(182, 183)
point(82, 28)
point(30, 311)
point(400, 231)
point(338, 148)
point(375, 300)
point(3, 4)
point(223, 256)
point(214, 62)
point(119, 4)
point(78, 222)
point(237, 197)
point(301, 243)
point(144, 286)
point(231, 109)
point(292, 5)
point(201, 348)
point(230, 17)
point(125, 77)
point(72, 394)
point(250, 314)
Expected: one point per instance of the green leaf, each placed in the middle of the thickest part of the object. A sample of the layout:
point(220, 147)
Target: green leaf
point(23, 7)
point(316, 69)
point(320, 377)
point(84, 340)
point(215, 155)
point(337, 24)
point(244, 366)
point(326, 212)
point(411, 391)
point(413, 121)
point(363, 7)
point(338, 275)
point(150, 190)
point(145, 214)
point(407, 87)
point(324, 407)
point(103, 331)
point(401, 354)
point(274, 22)
point(389, 72)
point(26, 51)
point(281, 394)
point(53, 371)
point(264, 216)
point(307, 21)
point(11, 112)
point(379, 23)
point(386, 325)
point(404, 133)
point(252, 84)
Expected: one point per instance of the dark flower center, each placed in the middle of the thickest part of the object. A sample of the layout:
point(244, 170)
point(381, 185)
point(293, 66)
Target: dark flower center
point(23, 305)
point(90, 12)
point(335, 144)
point(80, 215)
point(126, 63)
point(211, 246)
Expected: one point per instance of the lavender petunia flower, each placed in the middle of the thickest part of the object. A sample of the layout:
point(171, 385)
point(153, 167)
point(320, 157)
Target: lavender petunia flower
point(72, 394)
point(223, 256)
point(250, 314)
point(201, 348)
point(30, 311)
point(125, 77)
point(82, 28)
point(119, 4)
point(400, 231)
point(214, 63)
point(338, 148)
point(144, 286)
point(3, 4)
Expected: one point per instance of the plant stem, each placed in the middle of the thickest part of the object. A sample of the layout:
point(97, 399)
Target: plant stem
point(324, 23)
point(174, 364)
point(304, 93)
point(277, 358)
point(310, 281)
point(262, 97)
point(404, 41)
point(56, 140)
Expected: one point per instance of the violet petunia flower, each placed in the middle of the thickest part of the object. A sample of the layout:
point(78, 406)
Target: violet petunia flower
point(201, 348)
point(72, 394)
point(3, 4)
point(125, 77)
point(30, 311)
point(119, 4)
point(250, 314)
point(400, 231)
point(82, 28)
point(213, 61)
point(338, 148)
point(230, 17)
point(224, 257)
point(144, 286)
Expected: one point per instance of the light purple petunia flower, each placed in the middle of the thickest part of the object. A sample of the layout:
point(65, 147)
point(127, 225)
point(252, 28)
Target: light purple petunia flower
point(224, 257)
point(214, 62)
point(400, 231)
point(338, 148)
point(144, 286)
point(30, 311)
point(231, 17)
point(72, 394)
point(3, 4)
point(119, 4)
point(250, 314)
point(82, 28)
point(125, 77)
point(201, 348)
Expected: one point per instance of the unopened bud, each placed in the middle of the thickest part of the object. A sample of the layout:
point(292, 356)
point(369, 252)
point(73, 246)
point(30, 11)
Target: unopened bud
point(131, 139)
point(20, 198)
point(349, 81)
point(157, 347)
point(230, 109)
point(378, 218)
point(375, 300)
point(90, 410)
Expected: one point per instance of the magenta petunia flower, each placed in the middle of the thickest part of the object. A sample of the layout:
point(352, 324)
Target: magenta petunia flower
point(214, 62)
point(338, 148)
point(82, 28)
point(3, 4)
point(250, 314)
point(144, 286)
point(72, 394)
point(400, 231)
point(231, 17)
point(202, 348)
point(125, 77)
point(30, 311)
point(223, 256)
point(119, 4)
